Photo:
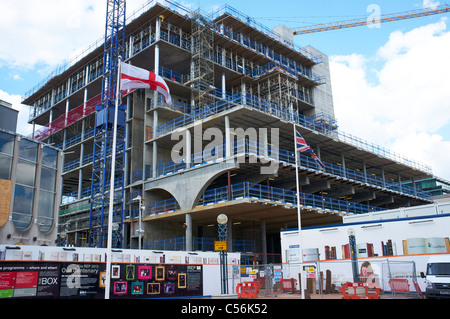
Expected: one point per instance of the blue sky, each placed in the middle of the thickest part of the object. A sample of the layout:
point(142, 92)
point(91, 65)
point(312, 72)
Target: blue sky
point(17, 79)
point(390, 83)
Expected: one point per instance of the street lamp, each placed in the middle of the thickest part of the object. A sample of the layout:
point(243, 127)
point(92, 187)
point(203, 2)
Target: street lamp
point(352, 244)
point(222, 220)
point(141, 209)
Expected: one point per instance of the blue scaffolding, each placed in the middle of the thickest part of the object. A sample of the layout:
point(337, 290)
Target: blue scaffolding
point(104, 136)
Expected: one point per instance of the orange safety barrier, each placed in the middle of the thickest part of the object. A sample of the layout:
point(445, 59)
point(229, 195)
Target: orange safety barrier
point(357, 288)
point(402, 285)
point(399, 285)
point(246, 290)
point(286, 284)
point(262, 282)
point(257, 284)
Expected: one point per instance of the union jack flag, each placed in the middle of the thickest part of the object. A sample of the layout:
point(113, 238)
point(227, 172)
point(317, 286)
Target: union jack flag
point(303, 147)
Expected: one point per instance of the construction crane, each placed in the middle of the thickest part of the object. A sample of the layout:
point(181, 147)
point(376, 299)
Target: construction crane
point(367, 21)
point(108, 165)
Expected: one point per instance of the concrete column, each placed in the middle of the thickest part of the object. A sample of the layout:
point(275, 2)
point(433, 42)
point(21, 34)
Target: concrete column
point(155, 99)
point(382, 177)
point(156, 59)
point(230, 235)
point(400, 183)
point(80, 183)
point(266, 143)
point(155, 102)
point(67, 113)
point(155, 144)
point(52, 102)
point(188, 149)
point(67, 101)
point(155, 159)
point(86, 80)
point(224, 55)
point(130, 46)
point(63, 161)
point(64, 140)
point(189, 243)
point(80, 172)
point(263, 242)
point(224, 88)
point(344, 173)
point(50, 119)
point(158, 29)
point(365, 172)
point(198, 146)
point(227, 137)
point(34, 129)
point(244, 93)
point(318, 152)
point(192, 70)
point(127, 132)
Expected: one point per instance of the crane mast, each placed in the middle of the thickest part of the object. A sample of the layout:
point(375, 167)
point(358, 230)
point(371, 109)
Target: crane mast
point(104, 164)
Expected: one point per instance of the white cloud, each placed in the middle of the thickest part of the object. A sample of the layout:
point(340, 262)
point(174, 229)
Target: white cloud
point(40, 35)
point(409, 105)
point(49, 32)
point(430, 4)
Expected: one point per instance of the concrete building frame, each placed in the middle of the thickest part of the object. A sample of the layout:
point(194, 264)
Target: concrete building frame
point(225, 72)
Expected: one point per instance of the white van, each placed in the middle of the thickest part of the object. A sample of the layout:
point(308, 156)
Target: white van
point(437, 278)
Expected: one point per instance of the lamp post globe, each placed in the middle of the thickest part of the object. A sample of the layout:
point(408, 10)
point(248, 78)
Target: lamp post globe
point(222, 219)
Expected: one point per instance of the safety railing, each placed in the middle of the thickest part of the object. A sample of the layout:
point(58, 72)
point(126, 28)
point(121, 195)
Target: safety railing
point(176, 106)
point(284, 114)
point(199, 243)
point(247, 147)
point(290, 68)
point(164, 206)
point(72, 197)
point(253, 44)
point(87, 159)
point(283, 196)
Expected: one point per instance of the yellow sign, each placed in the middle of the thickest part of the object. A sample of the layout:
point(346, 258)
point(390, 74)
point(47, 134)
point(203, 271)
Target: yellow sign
point(220, 245)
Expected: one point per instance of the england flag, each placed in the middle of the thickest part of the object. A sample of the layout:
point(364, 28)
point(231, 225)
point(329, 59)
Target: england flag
point(136, 78)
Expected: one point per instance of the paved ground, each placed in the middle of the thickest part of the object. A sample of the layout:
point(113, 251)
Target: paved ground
point(297, 295)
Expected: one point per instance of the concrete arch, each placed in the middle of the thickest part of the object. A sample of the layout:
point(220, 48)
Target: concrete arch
point(157, 194)
point(187, 187)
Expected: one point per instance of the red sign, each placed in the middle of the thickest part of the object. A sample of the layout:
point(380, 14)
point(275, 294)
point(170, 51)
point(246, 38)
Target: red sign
point(7, 280)
point(26, 279)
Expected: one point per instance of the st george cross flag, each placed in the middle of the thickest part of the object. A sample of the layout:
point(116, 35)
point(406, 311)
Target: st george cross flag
point(303, 147)
point(133, 77)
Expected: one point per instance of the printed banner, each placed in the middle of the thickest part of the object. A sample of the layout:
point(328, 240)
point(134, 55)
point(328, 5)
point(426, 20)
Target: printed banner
point(65, 280)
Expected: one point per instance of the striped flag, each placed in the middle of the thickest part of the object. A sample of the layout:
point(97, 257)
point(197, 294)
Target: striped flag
point(303, 147)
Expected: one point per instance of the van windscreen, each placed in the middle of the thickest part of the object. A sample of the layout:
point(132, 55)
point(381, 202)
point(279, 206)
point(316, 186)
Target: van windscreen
point(438, 269)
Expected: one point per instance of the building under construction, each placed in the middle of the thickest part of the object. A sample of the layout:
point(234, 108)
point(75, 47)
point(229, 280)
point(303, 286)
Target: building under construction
point(229, 74)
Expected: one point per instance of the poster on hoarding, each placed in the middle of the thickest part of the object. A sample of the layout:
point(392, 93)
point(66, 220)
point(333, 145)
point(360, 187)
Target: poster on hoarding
point(68, 280)
point(48, 280)
point(156, 281)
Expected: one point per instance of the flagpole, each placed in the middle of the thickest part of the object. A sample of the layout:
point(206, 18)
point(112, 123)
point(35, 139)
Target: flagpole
point(111, 187)
point(302, 287)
